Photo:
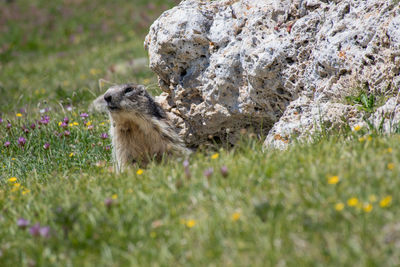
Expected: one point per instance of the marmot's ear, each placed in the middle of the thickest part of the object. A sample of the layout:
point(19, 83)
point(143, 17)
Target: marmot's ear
point(142, 89)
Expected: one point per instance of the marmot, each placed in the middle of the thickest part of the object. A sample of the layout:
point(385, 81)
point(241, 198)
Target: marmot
point(140, 129)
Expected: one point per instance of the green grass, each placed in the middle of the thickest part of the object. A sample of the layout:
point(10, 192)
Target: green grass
point(50, 51)
point(286, 206)
point(273, 208)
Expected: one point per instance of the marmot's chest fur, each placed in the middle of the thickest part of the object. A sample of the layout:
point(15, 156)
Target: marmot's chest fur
point(140, 130)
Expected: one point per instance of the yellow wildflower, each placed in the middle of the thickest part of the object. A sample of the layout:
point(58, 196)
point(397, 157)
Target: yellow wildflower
point(357, 128)
point(19, 115)
point(139, 172)
point(12, 179)
point(215, 156)
point(190, 223)
point(26, 191)
point(367, 207)
point(71, 155)
point(361, 139)
point(13, 158)
point(235, 216)
point(71, 124)
point(102, 123)
point(89, 123)
point(352, 202)
point(385, 201)
point(93, 71)
point(59, 123)
point(390, 166)
point(372, 198)
point(333, 179)
point(75, 123)
point(114, 196)
point(339, 206)
point(389, 150)
point(16, 187)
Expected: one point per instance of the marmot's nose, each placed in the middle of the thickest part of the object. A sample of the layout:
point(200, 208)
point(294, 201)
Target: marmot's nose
point(107, 98)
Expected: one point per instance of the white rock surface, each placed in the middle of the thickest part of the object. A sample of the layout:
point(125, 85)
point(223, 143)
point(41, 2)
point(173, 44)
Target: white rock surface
point(278, 67)
point(387, 117)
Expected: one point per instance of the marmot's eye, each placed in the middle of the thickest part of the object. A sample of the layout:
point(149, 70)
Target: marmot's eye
point(128, 90)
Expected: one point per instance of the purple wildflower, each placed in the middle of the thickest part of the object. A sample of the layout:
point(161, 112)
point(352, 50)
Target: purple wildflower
point(7, 143)
point(33, 126)
point(84, 115)
point(69, 108)
point(1, 120)
point(104, 136)
point(44, 231)
point(22, 110)
point(108, 202)
point(9, 125)
point(186, 164)
point(26, 130)
point(44, 120)
point(208, 172)
point(35, 230)
point(63, 124)
point(21, 141)
point(46, 146)
point(67, 133)
point(90, 127)
point(66, 119)
point(107, 148)
point(22, 223)
point(224, 171)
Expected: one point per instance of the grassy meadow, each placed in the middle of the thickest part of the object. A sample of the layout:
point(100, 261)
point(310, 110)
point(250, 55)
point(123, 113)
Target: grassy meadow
point(332, 202)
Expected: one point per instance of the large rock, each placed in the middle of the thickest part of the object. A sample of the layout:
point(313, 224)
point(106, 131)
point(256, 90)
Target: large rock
point(279, 67)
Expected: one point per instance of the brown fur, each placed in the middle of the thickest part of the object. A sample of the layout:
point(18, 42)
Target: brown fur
point(140, 129)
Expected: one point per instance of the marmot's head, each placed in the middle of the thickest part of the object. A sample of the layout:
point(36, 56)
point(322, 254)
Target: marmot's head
point(132, 99)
